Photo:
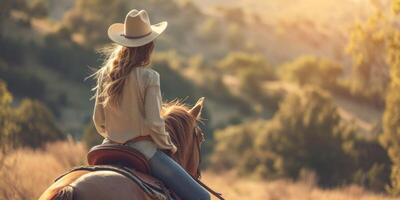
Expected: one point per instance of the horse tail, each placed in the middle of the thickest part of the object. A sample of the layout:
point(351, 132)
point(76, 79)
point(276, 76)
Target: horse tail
point(58, 193)
point(65, 193)
point(61, 189)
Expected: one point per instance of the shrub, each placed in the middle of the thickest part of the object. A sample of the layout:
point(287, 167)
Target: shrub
point(7, 124)
point(306, 133)
point(36, 125)
point(313, 70)
point(31, 124)
point(239, 62)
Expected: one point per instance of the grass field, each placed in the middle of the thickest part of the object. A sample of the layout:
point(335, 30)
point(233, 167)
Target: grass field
point(235, 188)
point(25, 174)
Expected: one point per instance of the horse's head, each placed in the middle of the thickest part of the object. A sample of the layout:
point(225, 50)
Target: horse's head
point(182, 124)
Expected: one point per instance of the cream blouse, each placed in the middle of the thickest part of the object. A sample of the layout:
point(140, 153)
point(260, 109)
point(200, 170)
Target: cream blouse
point(138, 113)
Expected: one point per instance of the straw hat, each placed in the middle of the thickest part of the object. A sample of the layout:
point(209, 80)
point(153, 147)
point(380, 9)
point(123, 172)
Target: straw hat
point(136, 31)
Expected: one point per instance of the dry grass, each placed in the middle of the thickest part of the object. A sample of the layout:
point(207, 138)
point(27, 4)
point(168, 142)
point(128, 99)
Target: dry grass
point(235, 188)
point(25, 174)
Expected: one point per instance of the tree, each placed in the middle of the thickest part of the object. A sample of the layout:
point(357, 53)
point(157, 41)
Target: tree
point(250, 71)
point(240, 62)
point(87, 19)
point(313, 70)
point(307, 133)
point(372, 161)
point(30, 9)
point(367, 47)
point(391, 118)
point(232, 143)
point(7, 124)
point(31, 124)
point(396, 6)
point(36, 125)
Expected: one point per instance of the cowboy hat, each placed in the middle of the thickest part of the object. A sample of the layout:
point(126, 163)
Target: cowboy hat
point(136, 31)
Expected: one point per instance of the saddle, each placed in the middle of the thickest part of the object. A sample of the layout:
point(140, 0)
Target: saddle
point(116, 154)
point(133, 164)
point(130, 163)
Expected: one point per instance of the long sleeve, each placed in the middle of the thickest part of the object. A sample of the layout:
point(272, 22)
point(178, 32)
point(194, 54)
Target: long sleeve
point(153, 119)
point(99, 117)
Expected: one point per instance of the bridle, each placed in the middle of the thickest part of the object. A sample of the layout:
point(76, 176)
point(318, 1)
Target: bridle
point(199, 138)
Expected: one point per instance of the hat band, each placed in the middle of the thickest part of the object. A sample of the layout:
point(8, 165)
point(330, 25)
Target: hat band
point(135, 37)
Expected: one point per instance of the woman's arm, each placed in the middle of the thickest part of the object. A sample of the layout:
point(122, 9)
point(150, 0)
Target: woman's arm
point(99, 116)
point(154, 121)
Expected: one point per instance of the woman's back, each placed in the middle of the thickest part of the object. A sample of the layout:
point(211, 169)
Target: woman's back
point(128, 119)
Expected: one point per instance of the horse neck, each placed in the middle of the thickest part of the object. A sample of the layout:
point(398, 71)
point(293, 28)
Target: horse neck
point(181, 127)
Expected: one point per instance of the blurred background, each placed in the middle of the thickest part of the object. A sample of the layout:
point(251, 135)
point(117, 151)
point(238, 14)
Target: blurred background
point(302, 96)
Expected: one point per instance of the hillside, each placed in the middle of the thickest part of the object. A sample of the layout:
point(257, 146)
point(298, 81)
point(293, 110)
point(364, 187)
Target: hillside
point(283, 30)
point(290, 86)
point(332, 12)
point(19, 181)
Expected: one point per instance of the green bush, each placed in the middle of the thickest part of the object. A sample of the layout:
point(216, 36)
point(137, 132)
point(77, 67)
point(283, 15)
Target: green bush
point(36, 125)
point(312, 70)
point(372, 162)
point(306, 133)
point(251, 72)
point(7, 124)
point(31, 124)
point(240, 62)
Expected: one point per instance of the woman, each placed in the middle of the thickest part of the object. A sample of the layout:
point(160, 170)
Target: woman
point(128, 102)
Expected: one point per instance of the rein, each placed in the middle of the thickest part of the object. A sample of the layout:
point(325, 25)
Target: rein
point(198, 143)
point(216, 194)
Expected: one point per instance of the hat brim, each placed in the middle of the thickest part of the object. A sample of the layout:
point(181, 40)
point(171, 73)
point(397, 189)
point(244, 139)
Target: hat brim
point(116, 31)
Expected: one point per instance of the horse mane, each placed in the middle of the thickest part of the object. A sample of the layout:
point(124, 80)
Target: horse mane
point(177, 118)
point(181, 125)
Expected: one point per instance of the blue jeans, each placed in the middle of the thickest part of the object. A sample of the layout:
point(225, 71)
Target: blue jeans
point(176, 178)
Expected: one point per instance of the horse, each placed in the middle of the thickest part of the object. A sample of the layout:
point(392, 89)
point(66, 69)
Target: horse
point(181, 122)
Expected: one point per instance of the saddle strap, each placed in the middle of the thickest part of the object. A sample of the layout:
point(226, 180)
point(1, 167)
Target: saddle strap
point(216, 194)
point(153, 192)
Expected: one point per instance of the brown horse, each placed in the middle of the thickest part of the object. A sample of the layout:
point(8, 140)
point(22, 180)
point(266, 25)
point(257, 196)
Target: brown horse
point(181, 123)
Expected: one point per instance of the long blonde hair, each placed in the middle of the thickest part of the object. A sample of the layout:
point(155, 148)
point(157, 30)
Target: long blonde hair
point(119, 62)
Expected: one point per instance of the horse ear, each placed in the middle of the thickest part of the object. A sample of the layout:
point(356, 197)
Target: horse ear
point(197, 108)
